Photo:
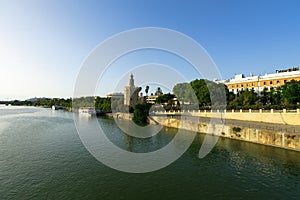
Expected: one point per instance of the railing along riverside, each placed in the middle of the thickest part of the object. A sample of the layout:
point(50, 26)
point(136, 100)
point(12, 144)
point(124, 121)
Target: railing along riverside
point(232, 111)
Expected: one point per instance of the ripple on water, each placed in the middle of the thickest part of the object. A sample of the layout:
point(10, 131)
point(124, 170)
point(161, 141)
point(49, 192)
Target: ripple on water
point(42, 157)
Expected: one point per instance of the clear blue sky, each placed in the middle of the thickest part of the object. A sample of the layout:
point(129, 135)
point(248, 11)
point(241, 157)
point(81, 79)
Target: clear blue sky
point(44, 42)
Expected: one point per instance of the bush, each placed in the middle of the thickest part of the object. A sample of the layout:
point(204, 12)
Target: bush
point(236, 129)
point(141, 113)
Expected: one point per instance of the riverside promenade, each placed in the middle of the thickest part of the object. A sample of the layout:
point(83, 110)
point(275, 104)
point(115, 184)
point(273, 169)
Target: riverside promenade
point(284, 117)
point(252, 126)
point(240, 123)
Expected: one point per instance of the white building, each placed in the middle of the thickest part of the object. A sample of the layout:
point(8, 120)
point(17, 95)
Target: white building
point(259, 83)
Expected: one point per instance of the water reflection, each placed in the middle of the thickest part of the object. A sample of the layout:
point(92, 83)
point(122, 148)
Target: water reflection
point(42, 155)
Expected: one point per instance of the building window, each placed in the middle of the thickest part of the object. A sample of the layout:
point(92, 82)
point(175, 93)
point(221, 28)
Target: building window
point(265, 83)
point(242, 85)
point(278, 82)
point(271, 82)
point(284, 81)
point(232, 90)
point(237, 85)
point(252, 84)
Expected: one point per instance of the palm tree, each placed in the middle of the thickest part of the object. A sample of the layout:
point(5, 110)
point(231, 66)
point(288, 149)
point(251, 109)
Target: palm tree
point(147, 90)
point(158, 92)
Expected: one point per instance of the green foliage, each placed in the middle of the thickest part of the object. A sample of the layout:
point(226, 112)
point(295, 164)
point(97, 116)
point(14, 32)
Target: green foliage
point(100, 103)
point(159, 91)
point(286, 96)
point(291, 92)
point(165, 98)
point(84, 102)
point(103, 104)
point(168, 101)
point(202, 92)
point(185, 93)
point(190, 95)
point(46, 102)
point(245, 99)
point(236, 129)
point(141, 113)
point(272, 97)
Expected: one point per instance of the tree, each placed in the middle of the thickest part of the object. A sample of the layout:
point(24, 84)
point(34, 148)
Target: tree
point(186, 96)
point(275, 96)
point(209, 92)
point(229, 95)
point(291, 92)
point(249, 98)
point(245, 99)
point(182, 92)
point(201, 91)
point(140, 114)
point(165, 98)
point(158, 92)
point(147, 90)
point(264, 96)
point(103, 104)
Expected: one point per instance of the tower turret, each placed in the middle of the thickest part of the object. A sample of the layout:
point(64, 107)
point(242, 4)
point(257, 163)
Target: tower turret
point(131, 81)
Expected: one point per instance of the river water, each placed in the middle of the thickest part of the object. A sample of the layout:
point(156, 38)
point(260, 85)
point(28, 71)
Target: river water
point(42, 157)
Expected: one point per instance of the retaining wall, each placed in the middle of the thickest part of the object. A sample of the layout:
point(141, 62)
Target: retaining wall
point(270, 116)
point(282, 139)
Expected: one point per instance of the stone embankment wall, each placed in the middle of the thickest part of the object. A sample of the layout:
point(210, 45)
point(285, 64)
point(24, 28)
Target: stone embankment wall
point(270, 116)
point(282, 139)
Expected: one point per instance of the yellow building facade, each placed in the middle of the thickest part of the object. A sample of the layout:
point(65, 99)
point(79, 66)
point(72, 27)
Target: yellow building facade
point(259, 83)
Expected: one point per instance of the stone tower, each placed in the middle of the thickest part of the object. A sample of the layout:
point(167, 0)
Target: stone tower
point(131, 93)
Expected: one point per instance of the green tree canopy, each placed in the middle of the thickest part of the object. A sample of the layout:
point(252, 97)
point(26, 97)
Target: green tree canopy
point(140, 114)
point(291, 92)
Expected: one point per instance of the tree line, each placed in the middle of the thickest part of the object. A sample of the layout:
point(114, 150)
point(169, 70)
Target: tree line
point(198, 94)
point(204, 94)
point(43, 102)
point(100, 103)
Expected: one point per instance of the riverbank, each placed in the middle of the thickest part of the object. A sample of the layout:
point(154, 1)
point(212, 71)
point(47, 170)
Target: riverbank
point(270, 134)
point(284, 117)
point(282, 136)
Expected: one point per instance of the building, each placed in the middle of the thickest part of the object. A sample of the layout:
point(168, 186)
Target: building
point(259, 83)
point(131, 93)
point(115, 95)
point(151, 99)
